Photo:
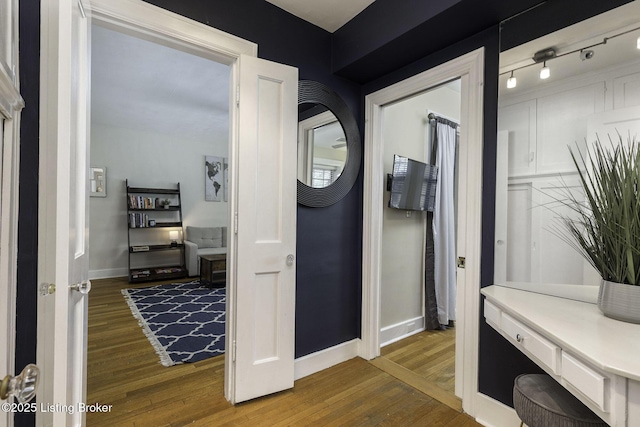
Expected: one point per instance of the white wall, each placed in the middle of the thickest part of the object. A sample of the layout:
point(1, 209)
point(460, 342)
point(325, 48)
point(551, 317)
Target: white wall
point(405, 127)
point(147, 159)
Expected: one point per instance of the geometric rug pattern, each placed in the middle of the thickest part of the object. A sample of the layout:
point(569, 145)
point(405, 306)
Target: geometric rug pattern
point(185, 322)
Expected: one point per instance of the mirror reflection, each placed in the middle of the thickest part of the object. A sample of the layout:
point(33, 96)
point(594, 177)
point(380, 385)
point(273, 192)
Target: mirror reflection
point(590, 90)
point(322, 146)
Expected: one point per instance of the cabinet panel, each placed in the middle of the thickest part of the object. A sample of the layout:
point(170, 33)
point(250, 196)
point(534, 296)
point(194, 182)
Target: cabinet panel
point(626, 91)
point(519, 245)
point(520, 121)
point(586, 380)
point(492, 314)
point(562, 122)
point(558, 261)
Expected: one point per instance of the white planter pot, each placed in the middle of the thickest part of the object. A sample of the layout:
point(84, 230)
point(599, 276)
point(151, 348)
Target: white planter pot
point(620, 301)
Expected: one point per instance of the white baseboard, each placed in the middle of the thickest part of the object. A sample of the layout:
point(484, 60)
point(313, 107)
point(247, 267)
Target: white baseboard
point(491, 413)
point(323, 359)
point(393, 333)
point(108, 273)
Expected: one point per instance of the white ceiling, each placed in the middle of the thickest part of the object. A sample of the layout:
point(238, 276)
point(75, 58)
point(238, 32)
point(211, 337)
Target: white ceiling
point(137, 84)
point(327, 14)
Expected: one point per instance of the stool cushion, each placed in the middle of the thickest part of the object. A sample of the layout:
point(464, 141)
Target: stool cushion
point(540, 401)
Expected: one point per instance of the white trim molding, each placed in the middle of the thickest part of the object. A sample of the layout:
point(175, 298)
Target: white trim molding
point(144, 20)
point(491, 413)
point(323, 359)
point(11, 104)
point(470, 69)
point(108, 273)
point(393, 333)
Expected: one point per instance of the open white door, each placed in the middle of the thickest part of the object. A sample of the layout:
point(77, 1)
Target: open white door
point(263, 306)
point(63, 222)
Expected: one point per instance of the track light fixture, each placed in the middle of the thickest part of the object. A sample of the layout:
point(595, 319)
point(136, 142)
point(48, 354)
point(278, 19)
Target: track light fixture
point(511, 81)
point(549, 53)
point(545, 72)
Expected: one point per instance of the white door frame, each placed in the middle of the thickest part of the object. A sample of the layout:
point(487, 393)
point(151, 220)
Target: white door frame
point(11, 104)
point(470, 69)
point(152, 23)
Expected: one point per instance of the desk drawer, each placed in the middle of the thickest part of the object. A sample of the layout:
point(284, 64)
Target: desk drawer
point(492, 314)
point(586, 380)
point(545, 351)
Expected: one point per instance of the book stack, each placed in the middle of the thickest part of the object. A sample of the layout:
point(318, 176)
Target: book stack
point(140, 202)
point(138, 220)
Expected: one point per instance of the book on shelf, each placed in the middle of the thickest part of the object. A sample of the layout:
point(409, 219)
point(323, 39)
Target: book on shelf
point(140, 248)
point(136, 274)
point(168, 270)
point(140, 202)
point(138, 220)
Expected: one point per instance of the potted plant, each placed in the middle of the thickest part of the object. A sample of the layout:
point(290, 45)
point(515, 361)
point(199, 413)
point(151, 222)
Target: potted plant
point(605, 225)
point(165, 203)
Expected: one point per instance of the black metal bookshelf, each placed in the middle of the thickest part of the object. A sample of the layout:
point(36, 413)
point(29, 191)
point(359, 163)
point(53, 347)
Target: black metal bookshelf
point(146, 214)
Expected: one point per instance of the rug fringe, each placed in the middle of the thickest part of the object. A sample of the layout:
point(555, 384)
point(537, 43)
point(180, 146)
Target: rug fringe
point(165, 359)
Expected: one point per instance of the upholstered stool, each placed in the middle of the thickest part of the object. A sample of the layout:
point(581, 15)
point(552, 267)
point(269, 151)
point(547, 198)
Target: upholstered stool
point(540, 401)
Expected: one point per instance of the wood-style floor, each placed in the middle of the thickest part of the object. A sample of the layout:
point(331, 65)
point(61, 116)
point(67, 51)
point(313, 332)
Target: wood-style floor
point(124, 371)
point(426, 361)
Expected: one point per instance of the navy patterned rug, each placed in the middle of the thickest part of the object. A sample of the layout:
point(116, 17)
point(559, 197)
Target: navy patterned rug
point(184, 322)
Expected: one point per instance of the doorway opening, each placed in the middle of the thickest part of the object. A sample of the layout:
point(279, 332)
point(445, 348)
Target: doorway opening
point(469, 69)
point(158, 114)
point(417, 333)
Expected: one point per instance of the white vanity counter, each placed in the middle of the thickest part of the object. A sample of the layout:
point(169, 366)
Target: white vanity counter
point(594, 357)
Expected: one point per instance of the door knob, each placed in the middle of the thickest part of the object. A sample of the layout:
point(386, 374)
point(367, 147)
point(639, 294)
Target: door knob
point(22, 387)
point(83, 287)
point(47, 289)
point(290, 259)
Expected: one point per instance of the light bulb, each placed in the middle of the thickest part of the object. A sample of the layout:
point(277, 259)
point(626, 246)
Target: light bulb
point(511, 82)
point(545, 72)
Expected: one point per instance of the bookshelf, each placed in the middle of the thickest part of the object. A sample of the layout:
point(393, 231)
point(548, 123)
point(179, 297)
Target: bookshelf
point(152, 255)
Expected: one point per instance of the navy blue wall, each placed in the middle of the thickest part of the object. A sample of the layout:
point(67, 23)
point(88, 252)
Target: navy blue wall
point(26, 296)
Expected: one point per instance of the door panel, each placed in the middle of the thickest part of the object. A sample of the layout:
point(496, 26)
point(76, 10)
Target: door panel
point(266, 226)
point(63, 258)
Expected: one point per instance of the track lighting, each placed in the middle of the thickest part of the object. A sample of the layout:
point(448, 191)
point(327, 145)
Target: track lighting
point(545, 72)
point(511, 81)
point(549, 54)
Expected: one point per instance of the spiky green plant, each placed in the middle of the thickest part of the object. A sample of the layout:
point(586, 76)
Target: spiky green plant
point(606, 225)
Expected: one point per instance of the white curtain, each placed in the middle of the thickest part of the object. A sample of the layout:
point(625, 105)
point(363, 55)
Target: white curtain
point(444, 232)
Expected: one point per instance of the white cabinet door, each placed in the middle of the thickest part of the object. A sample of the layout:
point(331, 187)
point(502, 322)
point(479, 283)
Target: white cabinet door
point(561, 122)
point(264, 303)
point(63, 222)
point(502, 184)
point(520, 121)
point(519, 240)
point(626, 91)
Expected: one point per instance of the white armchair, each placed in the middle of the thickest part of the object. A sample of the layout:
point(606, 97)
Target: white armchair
point(203, 241)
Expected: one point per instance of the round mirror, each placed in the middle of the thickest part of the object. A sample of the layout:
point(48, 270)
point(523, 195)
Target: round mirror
point(329, 149)
point(322, 146)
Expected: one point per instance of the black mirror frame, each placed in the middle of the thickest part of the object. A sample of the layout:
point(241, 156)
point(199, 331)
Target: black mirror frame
point(310, 91)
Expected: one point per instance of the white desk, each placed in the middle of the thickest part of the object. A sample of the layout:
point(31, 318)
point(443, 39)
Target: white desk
point(594, 357)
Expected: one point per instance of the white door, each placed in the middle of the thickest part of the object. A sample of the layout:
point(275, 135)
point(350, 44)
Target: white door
point(262, 343)
point(63, 222)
